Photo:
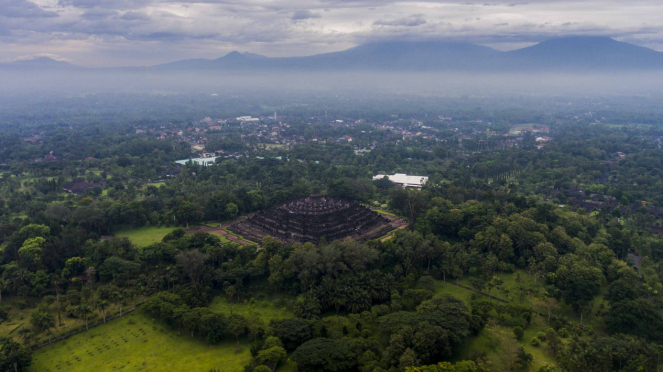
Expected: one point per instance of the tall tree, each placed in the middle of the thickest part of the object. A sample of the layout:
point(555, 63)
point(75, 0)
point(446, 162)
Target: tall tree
point(42, 321)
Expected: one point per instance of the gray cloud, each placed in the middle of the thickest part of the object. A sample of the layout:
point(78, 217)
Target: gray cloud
point(149, 31)
point(135, 16)
point(96, 13)
point(23, 9)
point(411, 21)
point(304, 14)
point(107, 4)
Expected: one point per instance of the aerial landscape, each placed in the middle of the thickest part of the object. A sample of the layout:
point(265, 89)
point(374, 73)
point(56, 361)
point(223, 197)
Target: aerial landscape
point(361, 186)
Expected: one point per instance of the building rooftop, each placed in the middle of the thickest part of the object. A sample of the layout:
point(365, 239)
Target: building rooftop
point(404, 180)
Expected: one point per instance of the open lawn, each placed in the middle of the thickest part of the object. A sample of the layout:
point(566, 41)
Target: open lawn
point(384, 212)
point(137, 343)
point(508, 291)
point(488, 343)
point(267, 308)
point(145, 236)
point(270, 146)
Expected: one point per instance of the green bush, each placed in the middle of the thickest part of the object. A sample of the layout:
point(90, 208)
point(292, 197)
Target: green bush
point(518, 332)
point(535, 341)
point(563, 333)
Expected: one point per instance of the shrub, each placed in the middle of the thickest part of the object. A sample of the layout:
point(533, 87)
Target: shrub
point(535, 341)
point(541, 336)
point(380, 310)
point(4, 314)
point(518, 332)
point(427, 283)
point(292, 332)
point(272, 341)
point(563, 333)
point(324, 354)
point(22, 304)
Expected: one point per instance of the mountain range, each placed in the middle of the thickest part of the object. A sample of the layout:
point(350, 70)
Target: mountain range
point(567, 54)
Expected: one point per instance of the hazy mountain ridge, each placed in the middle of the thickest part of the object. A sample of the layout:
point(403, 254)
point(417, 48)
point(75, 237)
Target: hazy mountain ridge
point(569, 54)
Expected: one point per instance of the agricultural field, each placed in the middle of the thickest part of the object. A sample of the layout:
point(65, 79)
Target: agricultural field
point(137, 343)
point(145, 236)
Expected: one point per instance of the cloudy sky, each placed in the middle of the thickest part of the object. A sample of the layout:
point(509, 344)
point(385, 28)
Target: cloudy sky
point(146, 32)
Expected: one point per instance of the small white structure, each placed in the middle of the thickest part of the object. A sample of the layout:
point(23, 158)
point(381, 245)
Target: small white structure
point(404, 180)
point(247, 118)
point(199, 161)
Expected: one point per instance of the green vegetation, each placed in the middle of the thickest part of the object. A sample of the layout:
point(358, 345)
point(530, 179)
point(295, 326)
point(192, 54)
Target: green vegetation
point(578, 287)
point(145, 236)
point(268, 309)
point(137, 343)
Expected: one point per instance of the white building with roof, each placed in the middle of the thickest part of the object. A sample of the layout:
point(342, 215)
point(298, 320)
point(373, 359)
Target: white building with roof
point(199, 161)
point(404, 180)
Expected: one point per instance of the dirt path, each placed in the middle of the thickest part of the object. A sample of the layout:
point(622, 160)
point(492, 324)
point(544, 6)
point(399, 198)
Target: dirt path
point(391, 234)
point(221, 230)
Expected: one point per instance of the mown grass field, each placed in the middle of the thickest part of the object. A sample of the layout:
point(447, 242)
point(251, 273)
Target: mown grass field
point(137, 343)
point(145, 236)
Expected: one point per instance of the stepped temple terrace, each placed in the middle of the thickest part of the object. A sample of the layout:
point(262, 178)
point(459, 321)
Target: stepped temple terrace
point(312, 218)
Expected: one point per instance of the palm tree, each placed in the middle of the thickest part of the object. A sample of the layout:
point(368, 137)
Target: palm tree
point(339, 298)
point(358, 300)
point(230, 292)
point(102, 305)
point(22, 276)
point(26, 335)
point(55, 282)
point(43, 321)
point(3, 286)
point(84, 311)
point(117, 297)
point(91, 272)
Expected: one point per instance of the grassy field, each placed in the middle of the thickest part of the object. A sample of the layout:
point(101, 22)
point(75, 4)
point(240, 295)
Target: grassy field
point(145, 236)
point(137, 343)
point(20, 318)
point(155, 184)
point(485, 342)
point(488, 343)
point(266, 307)
point(270, 146)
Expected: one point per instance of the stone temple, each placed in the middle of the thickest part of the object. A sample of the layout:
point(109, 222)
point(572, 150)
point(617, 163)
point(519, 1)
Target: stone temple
point(314, 217)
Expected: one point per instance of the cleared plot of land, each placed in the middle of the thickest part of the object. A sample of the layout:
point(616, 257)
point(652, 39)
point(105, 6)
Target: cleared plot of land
point(272, 145)
point(267, 308)
point(145, 236)
point(137, 343)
